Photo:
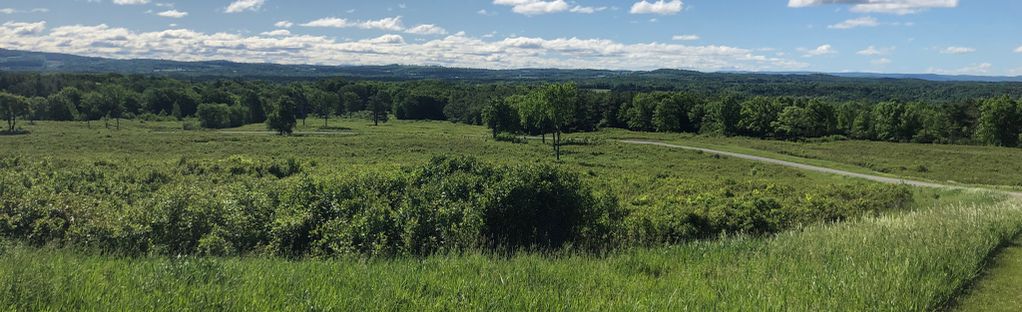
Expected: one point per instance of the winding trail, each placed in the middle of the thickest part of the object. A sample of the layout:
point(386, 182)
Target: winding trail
point(881, 179)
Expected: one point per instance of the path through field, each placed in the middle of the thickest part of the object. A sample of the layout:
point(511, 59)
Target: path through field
point(996, 290)
point(796, 165)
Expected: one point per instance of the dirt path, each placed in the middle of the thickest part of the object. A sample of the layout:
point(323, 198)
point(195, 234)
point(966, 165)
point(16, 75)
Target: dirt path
point(870, 177)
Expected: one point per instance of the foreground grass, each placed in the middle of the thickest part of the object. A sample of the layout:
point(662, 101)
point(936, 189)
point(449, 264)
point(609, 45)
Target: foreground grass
point(907, 261)
point(998, 290)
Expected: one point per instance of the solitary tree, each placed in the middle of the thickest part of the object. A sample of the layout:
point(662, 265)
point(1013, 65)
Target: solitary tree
point(322, 103)
point(10, 107)
point(561, 101)
point(282, 116)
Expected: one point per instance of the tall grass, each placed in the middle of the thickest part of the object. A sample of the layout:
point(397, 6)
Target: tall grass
point(909, 261)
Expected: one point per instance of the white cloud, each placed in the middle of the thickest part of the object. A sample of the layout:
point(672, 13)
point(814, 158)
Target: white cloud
point(130, 2)
point(244, 5)
point(534, 7)
point(484, 12)
point(427, 29)
point(975, 69)
point(880, 61)
point(457, 50)
point(16, 28)
point(12, 11)
point(819, 51)
point(173, 14)
point(900, 7)
point(283, 24)
point(874, 51)
point(685, 37)
point(586, 10)
point(8, 11)
point(390, 23)
point(277, 33)
point(660, 7)
point(957, 50)
point(865, 21)
point(1018, 50)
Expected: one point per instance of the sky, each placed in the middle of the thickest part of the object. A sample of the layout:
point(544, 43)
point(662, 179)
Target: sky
point(974, 37)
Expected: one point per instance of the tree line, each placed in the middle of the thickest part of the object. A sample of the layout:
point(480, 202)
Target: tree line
point(531, 108)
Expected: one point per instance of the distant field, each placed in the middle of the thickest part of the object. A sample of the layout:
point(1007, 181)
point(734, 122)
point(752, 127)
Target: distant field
point(977, 165)
point(89, 206)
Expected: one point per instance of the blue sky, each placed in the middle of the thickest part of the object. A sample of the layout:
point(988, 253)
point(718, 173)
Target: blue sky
point(894, 36)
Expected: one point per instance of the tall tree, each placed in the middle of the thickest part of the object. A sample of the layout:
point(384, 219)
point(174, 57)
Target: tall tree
point(561, 100)
point(11, 106)
point(282, 116)
point(379, 104)
point(500, 116)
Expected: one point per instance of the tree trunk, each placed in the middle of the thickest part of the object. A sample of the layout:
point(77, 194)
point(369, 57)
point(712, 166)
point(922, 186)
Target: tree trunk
point(376, 119)
point(557, 144)
point(325, 118)
point(118, 123)
point(543, 135)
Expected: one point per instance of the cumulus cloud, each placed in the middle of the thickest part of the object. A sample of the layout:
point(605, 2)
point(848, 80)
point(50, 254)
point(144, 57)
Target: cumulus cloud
point(427, 29)
point(457, 50)
point(130, 2)
point(244, 5)
point(284, 24)
point(874, 51)
point(818, 51)
point(277, 33)
point(16, 28)
point(865, 21)
point(685, 37)
point(389, 23)
point(12, 11)
point(173, 14)
point(659, 7)
point(900, 7)
point(537, 7)
point(957, 50)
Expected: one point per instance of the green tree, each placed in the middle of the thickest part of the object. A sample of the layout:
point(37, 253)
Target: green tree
point(758, 116)
point(93, 104)
point(322, 103)
point(1000, 121)
point(214, 116)
point(11, 106)
point(282, 116)
point(560, 104)
point(722, 116)
point(379, 105)
point(794, 122)
point(500, 116)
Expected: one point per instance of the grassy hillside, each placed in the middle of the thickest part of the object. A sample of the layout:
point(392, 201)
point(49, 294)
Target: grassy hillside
point(91, 206)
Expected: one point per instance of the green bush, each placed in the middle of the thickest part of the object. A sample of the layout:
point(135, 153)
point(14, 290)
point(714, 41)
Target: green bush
point(214, 116)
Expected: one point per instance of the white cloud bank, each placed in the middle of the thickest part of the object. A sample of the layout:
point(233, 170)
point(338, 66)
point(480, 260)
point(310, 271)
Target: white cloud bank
point(389, 23)
point(538, 7)
point(975, 69)
point(244, 5)
point(458, 50)
point(900, 7)
point(659, 7)
point(173, 14)
point(686, 37)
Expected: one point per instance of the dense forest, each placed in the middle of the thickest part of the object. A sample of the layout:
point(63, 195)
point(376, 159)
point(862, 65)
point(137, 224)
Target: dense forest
point(746, 105)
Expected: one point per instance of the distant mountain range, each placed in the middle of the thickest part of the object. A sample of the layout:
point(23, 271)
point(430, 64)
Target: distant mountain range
point(13, 60)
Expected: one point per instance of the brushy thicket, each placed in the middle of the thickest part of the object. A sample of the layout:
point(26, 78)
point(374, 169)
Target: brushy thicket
point(245, 206)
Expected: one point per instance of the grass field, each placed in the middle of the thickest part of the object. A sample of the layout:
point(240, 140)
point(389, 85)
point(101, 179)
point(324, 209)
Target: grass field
point(974, 165)
point(914, 257)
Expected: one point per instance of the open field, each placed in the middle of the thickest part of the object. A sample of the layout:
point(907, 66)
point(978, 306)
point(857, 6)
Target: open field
point(972, 165)
point(822, 243)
